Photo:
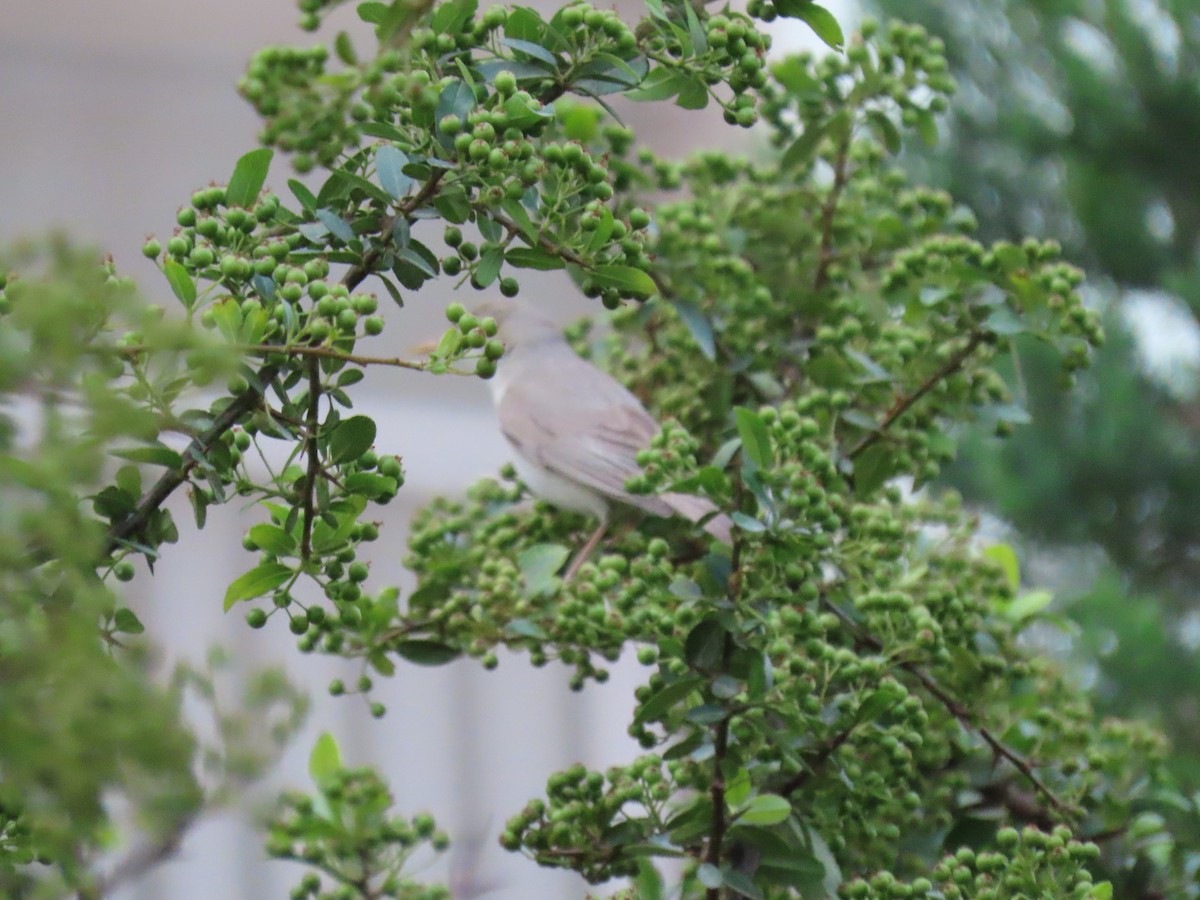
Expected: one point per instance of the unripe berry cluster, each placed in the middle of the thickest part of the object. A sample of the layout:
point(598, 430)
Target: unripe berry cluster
point(330, 833)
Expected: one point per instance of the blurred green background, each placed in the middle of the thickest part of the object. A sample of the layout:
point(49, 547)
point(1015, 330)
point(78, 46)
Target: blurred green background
point(1080, 120)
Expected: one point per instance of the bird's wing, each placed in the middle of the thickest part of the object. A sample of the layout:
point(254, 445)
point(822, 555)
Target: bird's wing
point(582, 424)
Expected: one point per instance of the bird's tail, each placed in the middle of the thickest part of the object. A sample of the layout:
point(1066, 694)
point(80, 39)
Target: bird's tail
point(696, 508)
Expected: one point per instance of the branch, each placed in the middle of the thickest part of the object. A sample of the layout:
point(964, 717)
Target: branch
point(717, 792)
point(828, 210)
point(312, 424)
point(139, 862)
point(135, 522)
point(904, 404)
point(958, 711)
point(822, 756)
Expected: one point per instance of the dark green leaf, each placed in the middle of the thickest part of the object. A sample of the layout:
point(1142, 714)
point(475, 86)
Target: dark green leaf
point(489, 267)
point(260, 580)
point(801, 150)
point(699, 326)
point(155, 456)
point(426, 653)
point(885, 130)
point(351, 438)
point(307, 199)
point(756, 440)
point(457, 98)
point(872, 468)
point(181, 282)
point(370, 484)
point(536, 51)
point(819, 19)
point(740, 883)
point(344, 48)
point(704, 648)
point(248, 177)
point(337, 226)
point(661, 703)
point(389, 166)
point(625, 279)
point(532, 258)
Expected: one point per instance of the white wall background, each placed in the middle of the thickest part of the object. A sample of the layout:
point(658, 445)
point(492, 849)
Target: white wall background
point(111, 113)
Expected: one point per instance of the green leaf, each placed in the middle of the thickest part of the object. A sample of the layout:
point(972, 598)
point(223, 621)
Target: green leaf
point(1028, 605)
point(308, 200)
point(389, 166)
point(698, 324)
point(885, 130)
point(872, 468)
point(344, 48)
point(1102, 891)
point(371, 13)
point(709, 876)
point(370, 484)
point(181, 282)
point(661, 703)
point(125, 622)
point(351, 438)
point(260, 580)
point(819, 19)
point(532, 258)
point(489, 267)
point(737, 789)
point(1006, 557)
point(457, 98)
point(426, 653)
point(704, 647)
point(154, 456)
point(325, 761)
point(536, 51)
point(648, 885)
point(927, 128)
point(756, 441)
point(625, 279)
point(337, 226)
point(248, 177)
point(741, 883)
point(449, 18)
point(539, 565)
point(766, 809)
point(272, 539)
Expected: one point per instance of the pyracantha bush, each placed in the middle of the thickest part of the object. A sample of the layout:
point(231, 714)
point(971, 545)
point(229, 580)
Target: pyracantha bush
point(839, 701)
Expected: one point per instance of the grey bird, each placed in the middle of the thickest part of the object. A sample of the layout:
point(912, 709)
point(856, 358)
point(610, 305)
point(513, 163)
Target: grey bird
point(575, 430)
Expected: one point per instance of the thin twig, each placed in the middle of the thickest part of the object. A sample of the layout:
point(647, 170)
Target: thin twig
point(905, 403)
point(138, 862)
point(312, 424)
point(828, 210)
point(716, 790)
point(958, 711)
